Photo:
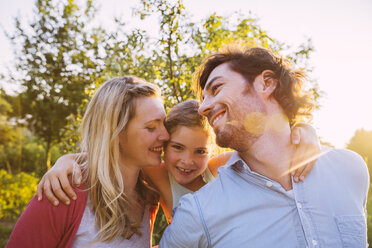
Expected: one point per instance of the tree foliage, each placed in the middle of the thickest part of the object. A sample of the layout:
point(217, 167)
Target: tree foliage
point(57, 59)
point(361, 143)
point(63, 58)
point(9, 136)
point(15, 192)
point(183, 43)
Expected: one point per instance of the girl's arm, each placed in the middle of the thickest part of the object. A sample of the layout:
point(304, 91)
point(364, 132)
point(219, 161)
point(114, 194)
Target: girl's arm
point(307, 152)
point(55, 183)
point(159, 179)
point(218, 161)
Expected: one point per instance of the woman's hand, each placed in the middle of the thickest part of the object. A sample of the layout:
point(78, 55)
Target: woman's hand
point(307, 150)
point(55, 183)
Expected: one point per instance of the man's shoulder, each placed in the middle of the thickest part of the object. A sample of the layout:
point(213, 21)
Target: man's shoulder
point(342, 162)
point(341, 153)
point(342, 156)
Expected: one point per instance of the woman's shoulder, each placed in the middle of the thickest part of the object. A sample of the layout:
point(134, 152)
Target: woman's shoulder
point(75, 207)
point(43, 218)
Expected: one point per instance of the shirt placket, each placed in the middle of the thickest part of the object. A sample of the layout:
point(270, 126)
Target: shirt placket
point(304, 214)
point(304, 228)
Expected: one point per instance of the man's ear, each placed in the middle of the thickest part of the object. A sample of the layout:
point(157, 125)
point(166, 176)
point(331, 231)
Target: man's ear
point(269, 83)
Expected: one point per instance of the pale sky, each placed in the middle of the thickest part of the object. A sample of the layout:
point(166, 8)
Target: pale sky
point(341, 31)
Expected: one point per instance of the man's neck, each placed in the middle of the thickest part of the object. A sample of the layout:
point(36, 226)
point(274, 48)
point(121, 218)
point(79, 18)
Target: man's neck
point(271, 156)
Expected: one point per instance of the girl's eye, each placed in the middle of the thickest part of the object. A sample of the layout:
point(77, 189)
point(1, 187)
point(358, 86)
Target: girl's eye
point(201, 151)
point(177, 147)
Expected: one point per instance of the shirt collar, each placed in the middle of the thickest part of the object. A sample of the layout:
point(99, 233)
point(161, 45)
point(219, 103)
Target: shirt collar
point(237, 163)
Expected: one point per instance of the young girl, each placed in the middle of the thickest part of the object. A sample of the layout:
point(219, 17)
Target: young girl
point(122, 132)
point(186, 155)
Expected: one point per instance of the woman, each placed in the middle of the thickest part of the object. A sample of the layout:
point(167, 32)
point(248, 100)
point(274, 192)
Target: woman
point(186, 154)
point(122, 131)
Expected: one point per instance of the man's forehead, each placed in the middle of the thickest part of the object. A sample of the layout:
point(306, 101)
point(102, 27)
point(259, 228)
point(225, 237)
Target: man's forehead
point(219, 70)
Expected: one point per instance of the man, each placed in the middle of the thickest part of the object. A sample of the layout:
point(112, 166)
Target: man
point(250, 98)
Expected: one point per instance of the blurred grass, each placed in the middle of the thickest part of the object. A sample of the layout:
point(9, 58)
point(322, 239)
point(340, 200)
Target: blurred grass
point(159, 227)
point(369, 217)
point(5, 230)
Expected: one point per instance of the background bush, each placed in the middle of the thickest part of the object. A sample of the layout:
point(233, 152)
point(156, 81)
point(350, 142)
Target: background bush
point(15, 193)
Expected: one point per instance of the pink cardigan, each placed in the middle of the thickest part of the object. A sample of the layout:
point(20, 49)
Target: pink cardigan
point(43, 225)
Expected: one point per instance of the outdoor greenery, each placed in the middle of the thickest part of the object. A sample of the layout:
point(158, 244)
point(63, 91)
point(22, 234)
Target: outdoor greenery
point(15, 192)
point(62, 56)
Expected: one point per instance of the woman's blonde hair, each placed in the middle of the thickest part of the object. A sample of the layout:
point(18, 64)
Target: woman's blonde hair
point(108, 113)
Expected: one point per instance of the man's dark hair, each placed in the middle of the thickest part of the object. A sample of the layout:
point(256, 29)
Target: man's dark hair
point(251, 62)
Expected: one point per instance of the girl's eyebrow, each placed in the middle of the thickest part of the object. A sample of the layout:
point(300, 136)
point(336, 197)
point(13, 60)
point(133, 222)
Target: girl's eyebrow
point(203, 148)
point(180, 144)
point(175, 142)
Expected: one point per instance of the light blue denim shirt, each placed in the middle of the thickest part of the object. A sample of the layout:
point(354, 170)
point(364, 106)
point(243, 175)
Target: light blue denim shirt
point(244, 209)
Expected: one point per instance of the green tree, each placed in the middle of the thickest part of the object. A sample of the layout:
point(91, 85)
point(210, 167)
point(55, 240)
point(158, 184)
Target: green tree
point(19, 148)
point(15, 193)
point(361, 143)
point(10, 136)
point(57, 60)
point(183, 43)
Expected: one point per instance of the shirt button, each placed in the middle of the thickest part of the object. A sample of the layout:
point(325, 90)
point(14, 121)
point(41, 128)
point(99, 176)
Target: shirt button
point(299, 205)
point(269, 184)
point(315, 243)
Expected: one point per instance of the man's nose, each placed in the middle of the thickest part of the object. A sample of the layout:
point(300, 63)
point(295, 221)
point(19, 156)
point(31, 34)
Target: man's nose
point(205, 107)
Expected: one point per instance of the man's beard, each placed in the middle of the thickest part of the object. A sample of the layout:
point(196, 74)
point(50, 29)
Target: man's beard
point(235, 137)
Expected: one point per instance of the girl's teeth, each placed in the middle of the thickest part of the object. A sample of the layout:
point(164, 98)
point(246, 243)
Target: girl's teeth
point(184, 170)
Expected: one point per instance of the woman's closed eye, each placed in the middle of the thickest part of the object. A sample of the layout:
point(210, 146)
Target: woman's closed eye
point(151, 129)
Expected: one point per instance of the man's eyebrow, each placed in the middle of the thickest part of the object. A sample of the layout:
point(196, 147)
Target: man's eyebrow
point(208, 85)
